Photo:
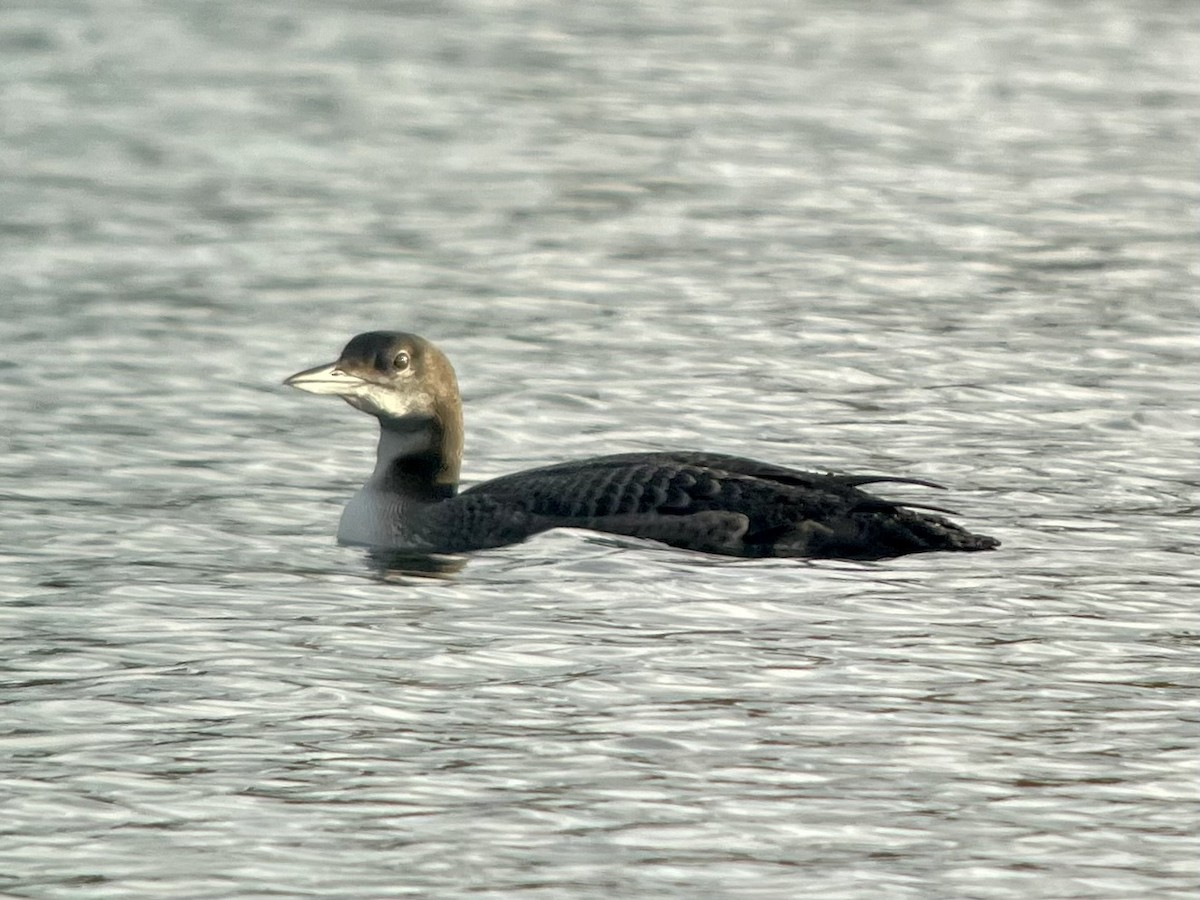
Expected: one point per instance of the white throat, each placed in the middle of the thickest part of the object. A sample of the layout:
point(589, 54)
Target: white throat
point(375, 515)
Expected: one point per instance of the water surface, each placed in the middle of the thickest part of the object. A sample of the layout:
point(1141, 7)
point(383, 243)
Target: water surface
point(953, 241)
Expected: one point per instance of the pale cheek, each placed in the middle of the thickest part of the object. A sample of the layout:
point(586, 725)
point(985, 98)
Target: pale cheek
point(396, 404)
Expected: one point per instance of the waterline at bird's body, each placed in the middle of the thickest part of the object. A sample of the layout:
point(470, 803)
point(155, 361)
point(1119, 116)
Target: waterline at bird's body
point(706, 502)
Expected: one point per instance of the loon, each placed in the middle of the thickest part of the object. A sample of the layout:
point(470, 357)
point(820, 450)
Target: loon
point(709, 502)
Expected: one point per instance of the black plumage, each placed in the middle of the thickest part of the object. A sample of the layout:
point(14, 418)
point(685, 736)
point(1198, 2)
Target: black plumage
point(708, 502)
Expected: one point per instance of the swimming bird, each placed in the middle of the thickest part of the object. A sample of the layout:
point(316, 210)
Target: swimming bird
point(709, 502)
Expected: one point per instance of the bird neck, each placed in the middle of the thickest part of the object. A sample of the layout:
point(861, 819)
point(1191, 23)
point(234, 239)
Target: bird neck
point(419, 456)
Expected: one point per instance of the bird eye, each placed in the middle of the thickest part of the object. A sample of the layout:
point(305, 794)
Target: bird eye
point(400, 363)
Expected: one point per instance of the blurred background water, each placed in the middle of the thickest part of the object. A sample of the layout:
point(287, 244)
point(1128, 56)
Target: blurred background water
point(953, 240)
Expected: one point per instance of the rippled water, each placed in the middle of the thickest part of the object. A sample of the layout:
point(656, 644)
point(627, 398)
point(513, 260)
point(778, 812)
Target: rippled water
point(952, 241)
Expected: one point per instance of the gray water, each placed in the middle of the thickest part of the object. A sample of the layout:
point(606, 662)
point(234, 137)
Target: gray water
point(954, 241)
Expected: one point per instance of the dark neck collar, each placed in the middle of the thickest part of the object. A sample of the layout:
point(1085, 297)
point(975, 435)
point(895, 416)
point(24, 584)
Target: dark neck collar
point(419, 457)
